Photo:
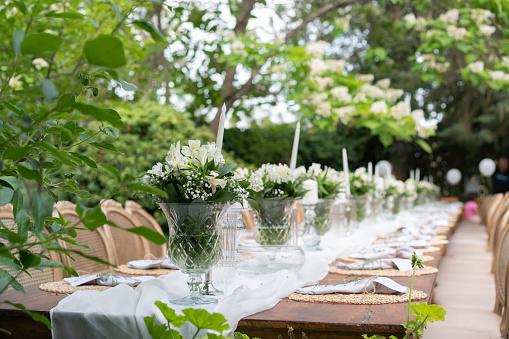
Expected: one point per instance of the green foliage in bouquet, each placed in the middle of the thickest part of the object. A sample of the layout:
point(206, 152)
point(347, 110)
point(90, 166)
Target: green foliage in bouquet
point(330, 182)
point(322, 221)
point(200, 318)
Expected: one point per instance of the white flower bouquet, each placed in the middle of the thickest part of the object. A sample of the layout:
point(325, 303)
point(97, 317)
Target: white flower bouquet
point(196, 173)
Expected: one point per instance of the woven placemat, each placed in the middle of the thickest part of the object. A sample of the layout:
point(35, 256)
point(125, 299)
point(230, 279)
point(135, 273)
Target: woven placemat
point(63, 287)
point(443, 229)
point(135, 271)
point(391, 272)
point(358, 299)
point(429, 249)
point(438, 242)
point(440, 237)
point(424, 258)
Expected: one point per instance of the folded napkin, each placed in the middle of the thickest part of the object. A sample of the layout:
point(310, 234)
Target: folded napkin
point(106, 280)
point(378, 264)
point(380, 285)
point(151, 264)
point(379, 252)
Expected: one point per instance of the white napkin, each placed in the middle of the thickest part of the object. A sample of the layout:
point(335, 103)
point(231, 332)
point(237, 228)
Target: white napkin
point(378, 264)
point(379, 252)
point(106, 280)
point(150, 264)
point(380, 285)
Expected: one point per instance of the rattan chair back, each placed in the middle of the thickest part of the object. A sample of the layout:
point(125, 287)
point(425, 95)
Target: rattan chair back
point(483, 208)
point(147, 220)
point(34, 277)
point(248, 219)
point(497, 201)
point(500, 262)
point(128, 246)
point(98, 241)
point(496, 224)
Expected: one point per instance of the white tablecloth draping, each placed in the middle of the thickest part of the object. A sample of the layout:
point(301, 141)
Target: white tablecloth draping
point(119, 311)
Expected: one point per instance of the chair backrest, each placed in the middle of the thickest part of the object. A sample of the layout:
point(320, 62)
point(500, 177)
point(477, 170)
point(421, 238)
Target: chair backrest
point(128, 246)
point(35, 277)
point(501, 260)
point(496, 223)
point(248, 219)
point(497, 201)
point(98, 241)
point(147, 220)
point(483, 208)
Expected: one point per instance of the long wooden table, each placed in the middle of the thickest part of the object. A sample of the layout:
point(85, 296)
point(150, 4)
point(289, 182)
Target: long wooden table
point(316, 320)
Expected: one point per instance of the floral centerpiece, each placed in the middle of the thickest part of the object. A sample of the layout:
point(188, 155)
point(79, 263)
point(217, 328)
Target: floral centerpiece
point(330, 184)
point(425, 190)
point(394, 190)
point(410, 193)
point(198, 184)
point(274, 188)
point(361, 189)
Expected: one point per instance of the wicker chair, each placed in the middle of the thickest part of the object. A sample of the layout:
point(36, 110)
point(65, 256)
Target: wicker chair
point(98, 241)
point(490, 210)
point(483, 208)
point(501, 260)
point(145, 219)
point(248, 219)
point(34, 277)
point(128, 246)
point(496, 224)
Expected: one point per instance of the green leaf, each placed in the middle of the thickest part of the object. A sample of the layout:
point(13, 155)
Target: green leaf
point(238, 335)
point(91, 257)
point(35, 316)
point(39, 43)
point(424, 145)
point(115, 9)
point(204, 320)
point(59, 155)
point(85, 159)
point(92, 218)
point(225, 169)
point(110, 131)
point(170, 315)
point(17, 40)
point(49, 90)
point(66, 15)
point(125, 85)
point(29, 174)
point(108, 115)
point(386, 139)
point(17, 202)
point(155, 330)
point(6, 194)
point(13, 108)
point(380, 53)
point(428, 313)
point(28, 259)
point(151, 29)
point(106, 147)
point(15, 153)
point(113, 171)
point(149, 234)
point(148, 189)
point(21, 6)
point(38, 213)
point(106, 51)
point(6, 279)
point(66, 102)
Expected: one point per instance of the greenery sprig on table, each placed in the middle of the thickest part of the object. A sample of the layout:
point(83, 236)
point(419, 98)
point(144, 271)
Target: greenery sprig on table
point(200, 318)
point(422, 312)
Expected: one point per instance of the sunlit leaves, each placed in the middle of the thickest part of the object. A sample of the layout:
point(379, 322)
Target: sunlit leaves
point(39, 43)
point(106, 51)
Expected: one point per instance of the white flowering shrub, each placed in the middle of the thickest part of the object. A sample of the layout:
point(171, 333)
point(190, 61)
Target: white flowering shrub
point(196, 173)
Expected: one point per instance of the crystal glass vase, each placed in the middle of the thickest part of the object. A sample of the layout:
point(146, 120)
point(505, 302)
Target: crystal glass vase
point(194, 243)
point(362, 207)
point(272, 221)
point(323, 221)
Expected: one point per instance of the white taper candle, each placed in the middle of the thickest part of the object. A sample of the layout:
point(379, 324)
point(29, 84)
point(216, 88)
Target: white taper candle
point(295, 148)
point(347, 175)
point(418, 174)
point(370, 171)
point(220, 129)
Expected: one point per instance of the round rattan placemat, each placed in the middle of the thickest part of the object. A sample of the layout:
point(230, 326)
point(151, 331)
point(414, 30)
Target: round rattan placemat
point(134, 271)
point(63, 287)
point(438, 242)
point(358, 299)
point(391, 272)
point(429, 249)
point(424, 258)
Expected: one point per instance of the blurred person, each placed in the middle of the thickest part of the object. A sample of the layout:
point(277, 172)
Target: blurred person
point(472, 208)
point(501, 176)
